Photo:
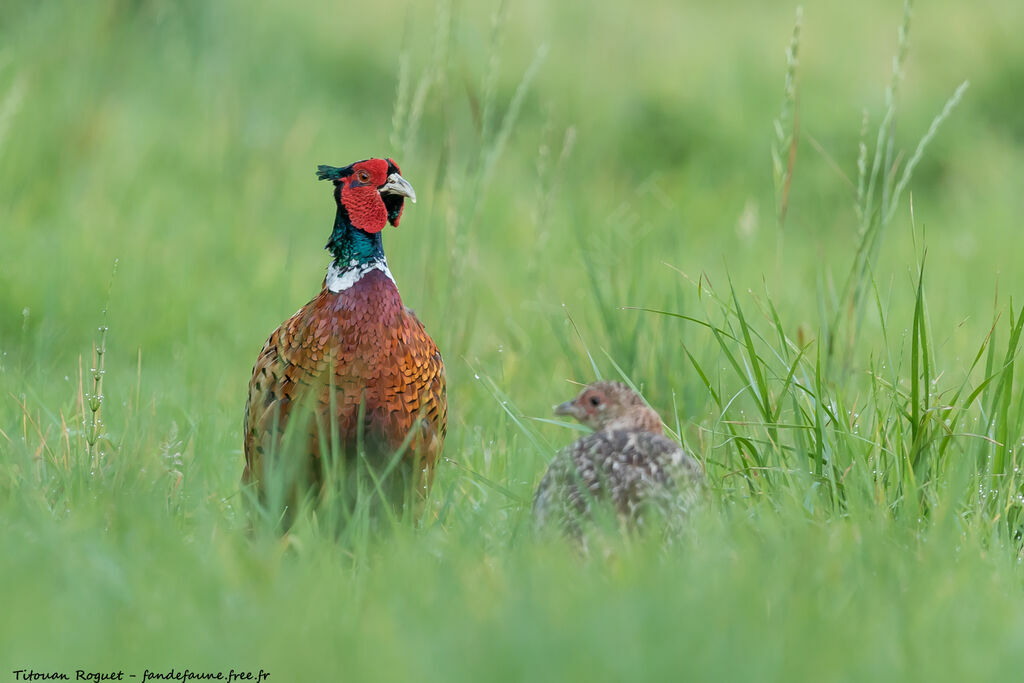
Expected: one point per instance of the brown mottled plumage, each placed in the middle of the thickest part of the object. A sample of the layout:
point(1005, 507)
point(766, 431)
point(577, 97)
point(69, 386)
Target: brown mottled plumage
point(626, 463)
point(354, 366)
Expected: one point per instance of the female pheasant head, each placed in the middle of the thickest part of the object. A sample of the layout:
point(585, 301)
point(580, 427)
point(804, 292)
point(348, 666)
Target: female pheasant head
point(369, 195)
point(608, 406)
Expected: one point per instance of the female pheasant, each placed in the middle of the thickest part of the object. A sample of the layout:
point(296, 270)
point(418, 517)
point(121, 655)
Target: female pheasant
point(353, 373)
point(627, 462)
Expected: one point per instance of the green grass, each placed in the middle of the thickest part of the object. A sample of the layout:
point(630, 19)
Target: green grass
point(826, 314)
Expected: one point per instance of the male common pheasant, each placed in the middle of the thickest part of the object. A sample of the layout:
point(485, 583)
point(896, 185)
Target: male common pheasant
point(626, 463)
point(353, 371)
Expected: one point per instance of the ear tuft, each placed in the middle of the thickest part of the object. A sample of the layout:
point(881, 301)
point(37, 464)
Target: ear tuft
point(328, 172)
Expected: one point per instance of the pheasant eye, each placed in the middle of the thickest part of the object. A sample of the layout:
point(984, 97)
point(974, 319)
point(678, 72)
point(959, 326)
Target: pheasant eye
point(363, 176)
point(595, 401)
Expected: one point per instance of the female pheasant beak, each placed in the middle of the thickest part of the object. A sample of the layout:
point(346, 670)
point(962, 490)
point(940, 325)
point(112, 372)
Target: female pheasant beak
point(569, 409)
point(398, 185)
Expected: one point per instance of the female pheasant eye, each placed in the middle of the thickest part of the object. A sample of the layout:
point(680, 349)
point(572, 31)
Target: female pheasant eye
point(595, 401)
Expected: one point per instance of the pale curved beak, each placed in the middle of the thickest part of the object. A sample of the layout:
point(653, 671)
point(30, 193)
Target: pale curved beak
point(396, 184)
point(568, 408)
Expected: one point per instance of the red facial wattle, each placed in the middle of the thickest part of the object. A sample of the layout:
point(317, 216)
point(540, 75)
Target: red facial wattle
point(365, 208)
point(394, 216)
point(361, 198)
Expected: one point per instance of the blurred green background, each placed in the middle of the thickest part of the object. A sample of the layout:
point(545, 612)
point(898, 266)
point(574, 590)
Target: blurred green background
point(570, 159)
